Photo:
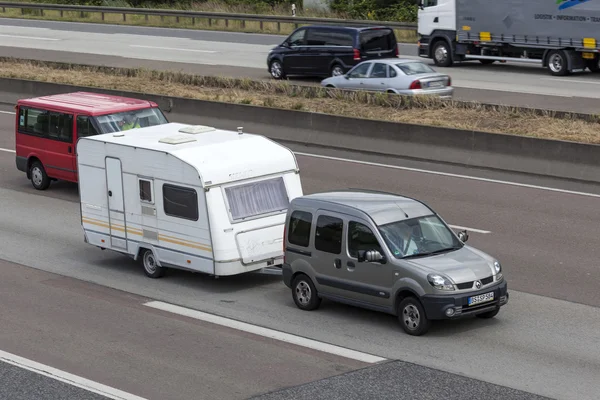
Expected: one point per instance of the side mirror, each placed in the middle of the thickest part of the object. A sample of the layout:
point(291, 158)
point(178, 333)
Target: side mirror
point(421, 5)
point(371, 256)
point(463, 236)
point(346, 76)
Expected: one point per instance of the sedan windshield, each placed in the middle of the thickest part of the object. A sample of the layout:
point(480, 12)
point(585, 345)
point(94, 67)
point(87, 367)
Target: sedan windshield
point(130, 119)
point(419, 237)
point(413, 68)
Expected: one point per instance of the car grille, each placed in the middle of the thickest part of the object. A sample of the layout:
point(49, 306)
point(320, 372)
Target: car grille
point(469, 285)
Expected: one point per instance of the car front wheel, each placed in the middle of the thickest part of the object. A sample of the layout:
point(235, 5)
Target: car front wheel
point(412, 317)
point(276, 69)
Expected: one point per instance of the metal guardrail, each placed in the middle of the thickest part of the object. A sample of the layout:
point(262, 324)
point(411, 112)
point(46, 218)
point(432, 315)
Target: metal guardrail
point(279, 19)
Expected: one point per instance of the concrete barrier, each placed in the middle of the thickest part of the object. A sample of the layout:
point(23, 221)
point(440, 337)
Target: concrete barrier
point(468, 148)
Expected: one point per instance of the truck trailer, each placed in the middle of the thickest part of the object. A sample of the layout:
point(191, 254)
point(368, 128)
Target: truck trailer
point(562, 35)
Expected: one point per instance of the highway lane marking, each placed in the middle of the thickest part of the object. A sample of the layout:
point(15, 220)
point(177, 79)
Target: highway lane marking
point(8, 112)
point(266, 332)
point(571, 80)
point(29, 37)
point(66, 377)
point(425, 171)
point(8, 150)
point(171, 48)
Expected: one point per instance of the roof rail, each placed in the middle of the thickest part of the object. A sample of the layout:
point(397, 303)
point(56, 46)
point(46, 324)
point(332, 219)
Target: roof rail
point(390, 193)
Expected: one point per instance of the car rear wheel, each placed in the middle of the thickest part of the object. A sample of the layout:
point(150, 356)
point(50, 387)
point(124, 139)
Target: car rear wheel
point(304, 293)
point(489, 314)
point(38, 176)
point(276, 69)
point(412, 317)
point(151, 267)
point(337, 70)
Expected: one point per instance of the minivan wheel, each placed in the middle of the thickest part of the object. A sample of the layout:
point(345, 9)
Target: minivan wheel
point(412, 317)
point(489, 314)
point(304, 293)
point(276, 69)
point(337, 70)
point(151, 268)
point(38, 176)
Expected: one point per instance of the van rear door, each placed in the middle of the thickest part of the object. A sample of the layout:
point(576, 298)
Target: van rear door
point(378, 43)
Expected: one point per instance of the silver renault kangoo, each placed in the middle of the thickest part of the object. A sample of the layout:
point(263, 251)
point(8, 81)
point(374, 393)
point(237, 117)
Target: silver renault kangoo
point(387, 253)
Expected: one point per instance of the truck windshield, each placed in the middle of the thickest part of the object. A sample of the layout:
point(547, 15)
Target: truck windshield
point(419, 236)
point(130, 119)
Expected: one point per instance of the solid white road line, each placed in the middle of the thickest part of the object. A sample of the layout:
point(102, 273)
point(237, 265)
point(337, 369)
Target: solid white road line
point(171, 48)
point(7, 150)
point(29, 37)
point(425, 171)
point(266, 332)
point(7, 112)
point(66, 377)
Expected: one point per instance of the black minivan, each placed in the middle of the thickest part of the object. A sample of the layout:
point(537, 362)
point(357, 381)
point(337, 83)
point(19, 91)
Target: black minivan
point(329, 50)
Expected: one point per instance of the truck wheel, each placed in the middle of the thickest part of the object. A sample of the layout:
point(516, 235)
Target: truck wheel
point(151, 268)
point(412, 317)
point(38, 176)
point(442, 55)
point(557, 63)
point(304, 293)
point(593, 65)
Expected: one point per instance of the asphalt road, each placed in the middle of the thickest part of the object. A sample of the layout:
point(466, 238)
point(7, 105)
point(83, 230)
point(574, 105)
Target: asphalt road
point(241, 54)
point(544, 342)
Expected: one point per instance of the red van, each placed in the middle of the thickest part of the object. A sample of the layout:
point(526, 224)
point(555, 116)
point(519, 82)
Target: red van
point(47, 129)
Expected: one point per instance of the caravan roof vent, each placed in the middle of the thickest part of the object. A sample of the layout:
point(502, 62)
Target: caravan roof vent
point(195, 129)
point(177, 139)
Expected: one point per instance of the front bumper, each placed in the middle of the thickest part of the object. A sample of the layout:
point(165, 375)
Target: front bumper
point(436, 306)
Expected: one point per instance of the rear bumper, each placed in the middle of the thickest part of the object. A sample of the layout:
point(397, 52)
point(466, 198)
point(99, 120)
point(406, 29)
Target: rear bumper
point(445, 92)
point(436, 306)
point(286, 271)
point(21, 163)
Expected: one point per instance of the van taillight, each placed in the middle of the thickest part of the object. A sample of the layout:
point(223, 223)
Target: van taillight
point(356, 54)
point(396, 51)
point(449, 82)
point(283, 241)
point(415, 85)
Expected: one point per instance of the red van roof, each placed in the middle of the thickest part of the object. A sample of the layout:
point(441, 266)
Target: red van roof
point(86, 102)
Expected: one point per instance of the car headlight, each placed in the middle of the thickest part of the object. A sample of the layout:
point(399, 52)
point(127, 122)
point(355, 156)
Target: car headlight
point(440, 282)
point(497, 267)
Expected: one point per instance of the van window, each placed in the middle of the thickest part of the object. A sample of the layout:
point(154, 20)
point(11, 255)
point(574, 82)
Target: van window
point(180, 202)
point(299, 229)
point(328, 37)
point(257, 198)
point(297, 38)
point(377, 40)
point(328, 235)
point(361, 238)
point(146, 190)
point(46, 124)
point(85, 126)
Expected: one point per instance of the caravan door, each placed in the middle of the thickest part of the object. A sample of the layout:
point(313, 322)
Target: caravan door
point(116, 203)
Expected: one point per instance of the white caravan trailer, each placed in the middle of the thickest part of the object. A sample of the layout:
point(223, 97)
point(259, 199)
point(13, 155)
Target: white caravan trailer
point(187, 196)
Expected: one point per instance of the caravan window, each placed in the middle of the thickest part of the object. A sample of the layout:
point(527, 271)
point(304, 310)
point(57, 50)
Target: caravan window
point(145, 190)
point(180, 202)
point(257, 198)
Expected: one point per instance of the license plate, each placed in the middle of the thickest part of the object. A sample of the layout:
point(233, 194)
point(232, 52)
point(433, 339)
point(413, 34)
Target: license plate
point(435, 84)
point(482, 298)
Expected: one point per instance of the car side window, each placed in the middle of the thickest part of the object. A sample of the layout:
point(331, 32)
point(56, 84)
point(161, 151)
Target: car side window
point(360, 71)
point(297, 38)
point(379, 71)
point(328, 234)
point(392, 72)
point(299, 228)
point(361, 238)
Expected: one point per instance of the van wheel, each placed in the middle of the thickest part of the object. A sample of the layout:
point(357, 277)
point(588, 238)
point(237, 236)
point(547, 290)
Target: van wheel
point(412, 317)
point(489, 314)
point(38, 176)
point(304, 293)
point(337, 70)
point(276, 69)
point(151, 268)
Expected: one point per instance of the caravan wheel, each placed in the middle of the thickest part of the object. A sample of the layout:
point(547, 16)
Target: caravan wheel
point(151, 268)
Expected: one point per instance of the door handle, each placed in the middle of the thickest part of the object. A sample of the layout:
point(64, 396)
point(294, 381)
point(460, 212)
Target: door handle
point(110, 193)
point(69, 149)
point(350, 265)
point(435, 20)
point(337, 263)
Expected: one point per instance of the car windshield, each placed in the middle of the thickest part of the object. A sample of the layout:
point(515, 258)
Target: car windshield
point(413, 68)
point(419, 237)
point(130, 119)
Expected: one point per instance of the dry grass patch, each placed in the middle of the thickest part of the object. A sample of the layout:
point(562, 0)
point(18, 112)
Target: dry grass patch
point(403, 35)
point(276, 94)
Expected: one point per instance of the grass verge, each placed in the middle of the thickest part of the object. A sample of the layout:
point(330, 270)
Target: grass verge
point(278, 94)
point(403, 35)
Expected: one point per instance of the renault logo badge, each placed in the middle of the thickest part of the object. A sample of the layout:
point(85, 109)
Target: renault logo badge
point(478, 284)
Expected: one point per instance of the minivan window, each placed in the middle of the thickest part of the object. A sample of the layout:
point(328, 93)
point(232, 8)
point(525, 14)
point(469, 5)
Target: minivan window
point(328, 37)
point(257, 198)
point(297, 38)
point(418, 236)
point(299, 228)
point(328, 235)
point(377, 40)
point(361, 238)
point(412, 68)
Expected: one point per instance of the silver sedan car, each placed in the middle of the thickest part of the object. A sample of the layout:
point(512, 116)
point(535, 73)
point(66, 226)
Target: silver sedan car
point(394, 75)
